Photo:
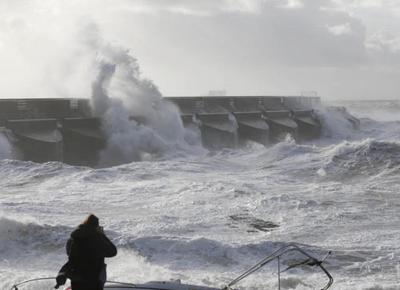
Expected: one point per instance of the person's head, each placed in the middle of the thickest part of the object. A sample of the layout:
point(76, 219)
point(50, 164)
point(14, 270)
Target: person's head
point(92, 221)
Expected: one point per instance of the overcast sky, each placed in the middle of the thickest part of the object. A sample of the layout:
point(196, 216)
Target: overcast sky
point(340, 48)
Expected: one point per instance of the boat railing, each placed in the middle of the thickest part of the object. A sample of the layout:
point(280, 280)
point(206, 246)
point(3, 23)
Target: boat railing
point(111, 284)
point(310, 261)
point(277, 255)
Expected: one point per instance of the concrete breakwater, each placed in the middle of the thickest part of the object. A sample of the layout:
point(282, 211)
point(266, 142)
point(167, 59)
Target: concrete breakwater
point(225, 121)
point(66, 130)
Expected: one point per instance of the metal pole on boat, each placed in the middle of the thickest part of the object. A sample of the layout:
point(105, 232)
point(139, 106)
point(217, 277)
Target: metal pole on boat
point(279, 273)
point(311, 261)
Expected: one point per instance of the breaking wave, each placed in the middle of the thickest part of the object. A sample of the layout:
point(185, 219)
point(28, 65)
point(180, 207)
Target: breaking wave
point(336, 124)
point(364, 158)
point(138, 123)
point(27, 236)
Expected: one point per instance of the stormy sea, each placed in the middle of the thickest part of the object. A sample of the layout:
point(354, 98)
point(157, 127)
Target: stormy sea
point(176, 210)
point(205, 216)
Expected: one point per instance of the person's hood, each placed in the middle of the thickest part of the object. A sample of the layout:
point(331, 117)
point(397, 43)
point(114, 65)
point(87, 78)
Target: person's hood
point(84, 231)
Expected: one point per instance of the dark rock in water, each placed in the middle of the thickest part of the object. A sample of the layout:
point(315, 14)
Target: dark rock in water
point(262, 225)
point(255, 224)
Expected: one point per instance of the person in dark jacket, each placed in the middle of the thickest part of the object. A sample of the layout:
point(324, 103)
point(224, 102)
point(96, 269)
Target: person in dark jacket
point(86, 248)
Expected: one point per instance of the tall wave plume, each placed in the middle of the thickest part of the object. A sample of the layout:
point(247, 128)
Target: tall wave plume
point(137, 122)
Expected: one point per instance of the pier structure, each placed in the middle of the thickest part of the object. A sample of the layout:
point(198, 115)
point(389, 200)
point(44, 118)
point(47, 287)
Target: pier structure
point(65, 130)
point(224, 120)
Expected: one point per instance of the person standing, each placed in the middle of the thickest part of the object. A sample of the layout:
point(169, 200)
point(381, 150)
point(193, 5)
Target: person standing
point(86, 249)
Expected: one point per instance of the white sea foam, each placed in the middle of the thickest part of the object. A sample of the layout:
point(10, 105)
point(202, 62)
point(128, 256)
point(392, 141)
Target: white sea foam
point(194, 218)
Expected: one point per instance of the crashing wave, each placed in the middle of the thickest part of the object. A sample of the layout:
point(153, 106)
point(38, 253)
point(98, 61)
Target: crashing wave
point(368, 157)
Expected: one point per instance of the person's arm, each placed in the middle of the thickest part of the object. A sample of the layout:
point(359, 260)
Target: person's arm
point(62, 275)
point(109, 249)
point(68, 246)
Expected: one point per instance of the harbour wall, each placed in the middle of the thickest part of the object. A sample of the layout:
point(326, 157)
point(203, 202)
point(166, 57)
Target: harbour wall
point(65, 130)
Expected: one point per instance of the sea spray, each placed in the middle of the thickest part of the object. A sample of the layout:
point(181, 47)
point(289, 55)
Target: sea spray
point(336, 123)
point(100, 99)
point(137, 122)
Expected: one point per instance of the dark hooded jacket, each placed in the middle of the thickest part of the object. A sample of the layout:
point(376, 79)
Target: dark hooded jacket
point(86, 248)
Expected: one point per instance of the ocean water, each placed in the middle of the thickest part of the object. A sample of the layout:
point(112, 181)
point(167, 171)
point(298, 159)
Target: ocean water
point(205, 217)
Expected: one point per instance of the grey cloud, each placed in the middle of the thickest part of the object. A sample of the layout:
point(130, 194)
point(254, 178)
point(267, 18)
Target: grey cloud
point(244, 46)
point(192, 7)
point(274, 36)
point(276, 50)
point(317, 34)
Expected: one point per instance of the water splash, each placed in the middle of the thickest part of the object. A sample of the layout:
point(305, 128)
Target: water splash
point(138, 122)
